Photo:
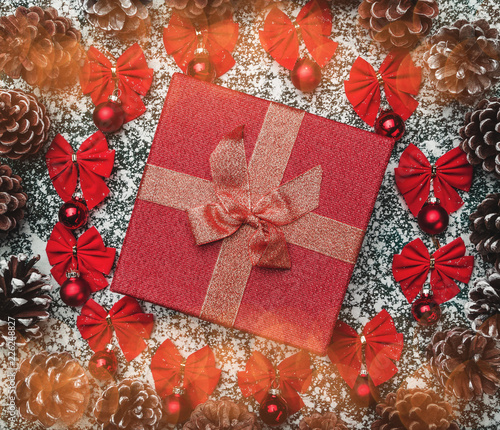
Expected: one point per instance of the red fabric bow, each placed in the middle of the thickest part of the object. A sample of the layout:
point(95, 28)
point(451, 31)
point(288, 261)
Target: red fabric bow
point(280, 38)
point(94, 160)
point(131, 75)
point(131, 326)
point(199, 376)
point(293, 375)
point(410, 269)
point(217, 35)
point(88, 255)
point(383, 345)
point(414, 175)
point(400, 78)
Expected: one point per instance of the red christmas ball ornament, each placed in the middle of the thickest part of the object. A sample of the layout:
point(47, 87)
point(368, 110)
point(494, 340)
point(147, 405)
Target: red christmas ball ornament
point(74, 213)
point(390, 124)
point(433, 218)
point(426, 310)
point(200, 67)
point(75, 291)
point(273, 410)
point(306, 75)
point(176, 407)
point(103, 364)
point(109, 116)
point(364, 393)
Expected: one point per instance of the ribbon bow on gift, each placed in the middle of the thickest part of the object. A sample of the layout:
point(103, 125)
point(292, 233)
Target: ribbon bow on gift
point(293, 375)
point(131, 326)
point(399, 77)
point(279, 207)
point(414, 175)
point(410, 269)
point(94, 160)
point(197, 374)
point(382, 343)
point(280, 37)
point(131, 76)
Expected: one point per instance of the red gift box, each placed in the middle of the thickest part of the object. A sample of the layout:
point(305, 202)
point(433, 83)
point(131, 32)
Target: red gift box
point(279, 264)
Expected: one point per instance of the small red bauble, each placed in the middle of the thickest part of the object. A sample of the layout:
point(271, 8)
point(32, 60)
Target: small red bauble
point(433, 218)
point(74, 213)
point(75, 291)
point(103, 364)
point(273, 410)
point(109, 116)
point(177, 408)
point(306, 75)
point(390, 124)
point(200, 67)
point(364, 393)
point(426, 310)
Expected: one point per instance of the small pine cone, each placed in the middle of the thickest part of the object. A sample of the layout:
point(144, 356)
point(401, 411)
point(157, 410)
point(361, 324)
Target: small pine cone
point(24, 124)
point(223, 414)
point(483, 307)
point(326, 421)
point(398, 23)
point(12, 199)
point(195, 8)
point(485, 227)
point(463, 59)
point(466, 363)
point(129, 406)
point(52, 388)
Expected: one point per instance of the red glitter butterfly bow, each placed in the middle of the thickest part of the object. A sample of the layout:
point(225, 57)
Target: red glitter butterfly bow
point(217, 35)
point(88, 255)
point(130, 76)
point(410, 269)
point(94, 160)
point(414, 175)
point(280, 37)
point(293, 376)
point(130, 324)
point(382, 345)
point(399, 77)
point(197, 374)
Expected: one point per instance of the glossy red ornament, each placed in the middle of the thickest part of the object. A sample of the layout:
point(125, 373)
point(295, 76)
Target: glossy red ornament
point(433, 218)
point(364, 393)
point(306, 75)
point(176, 408)
point(202, 68)
point(109, 116)
point(74, 213)
point(426, 310)
point(75, 291)
point(390, 124)
point(103, 364)
point(273, 410)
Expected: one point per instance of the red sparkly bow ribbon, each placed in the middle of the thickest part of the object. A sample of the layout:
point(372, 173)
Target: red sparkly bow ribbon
point(94, 160)
point(88, 255)
point(410, 269)
point(414, 175)
point(197, 374)
point(383, 345)
point(218, 35)
point(400, 78)
point(131, 326)
point(131, 76)
point(293, 376)
point(219, 219)
point(280, 37)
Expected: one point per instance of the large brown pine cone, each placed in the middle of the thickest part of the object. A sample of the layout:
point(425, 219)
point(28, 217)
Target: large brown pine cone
point(24, 124)
point(52, 388)
point(481, 136)
point(12, 200)
point(463, 59)
point(41, 47)
point(326, 421)
point(467, 364)
point(129, 406)
point(195, 8)
point(417, 409)
point(398, 23)
point(485, 227)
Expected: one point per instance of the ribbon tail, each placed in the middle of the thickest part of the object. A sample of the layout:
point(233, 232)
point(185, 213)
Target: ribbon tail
point(268, 248)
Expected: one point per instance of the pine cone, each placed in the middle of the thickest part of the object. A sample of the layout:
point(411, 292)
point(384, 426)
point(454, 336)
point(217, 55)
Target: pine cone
point(223, 414)
point(41, 47)
point(24, 125)
point(463, 59)
point(466, 363)
point(398, 23)
point(195, 8)
point(481, 136)
point(52, 388)
point(129, 406)
point(12, 199)
point(326, 421)
point(485, 227)
point(483, 308)
point(414, 409)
